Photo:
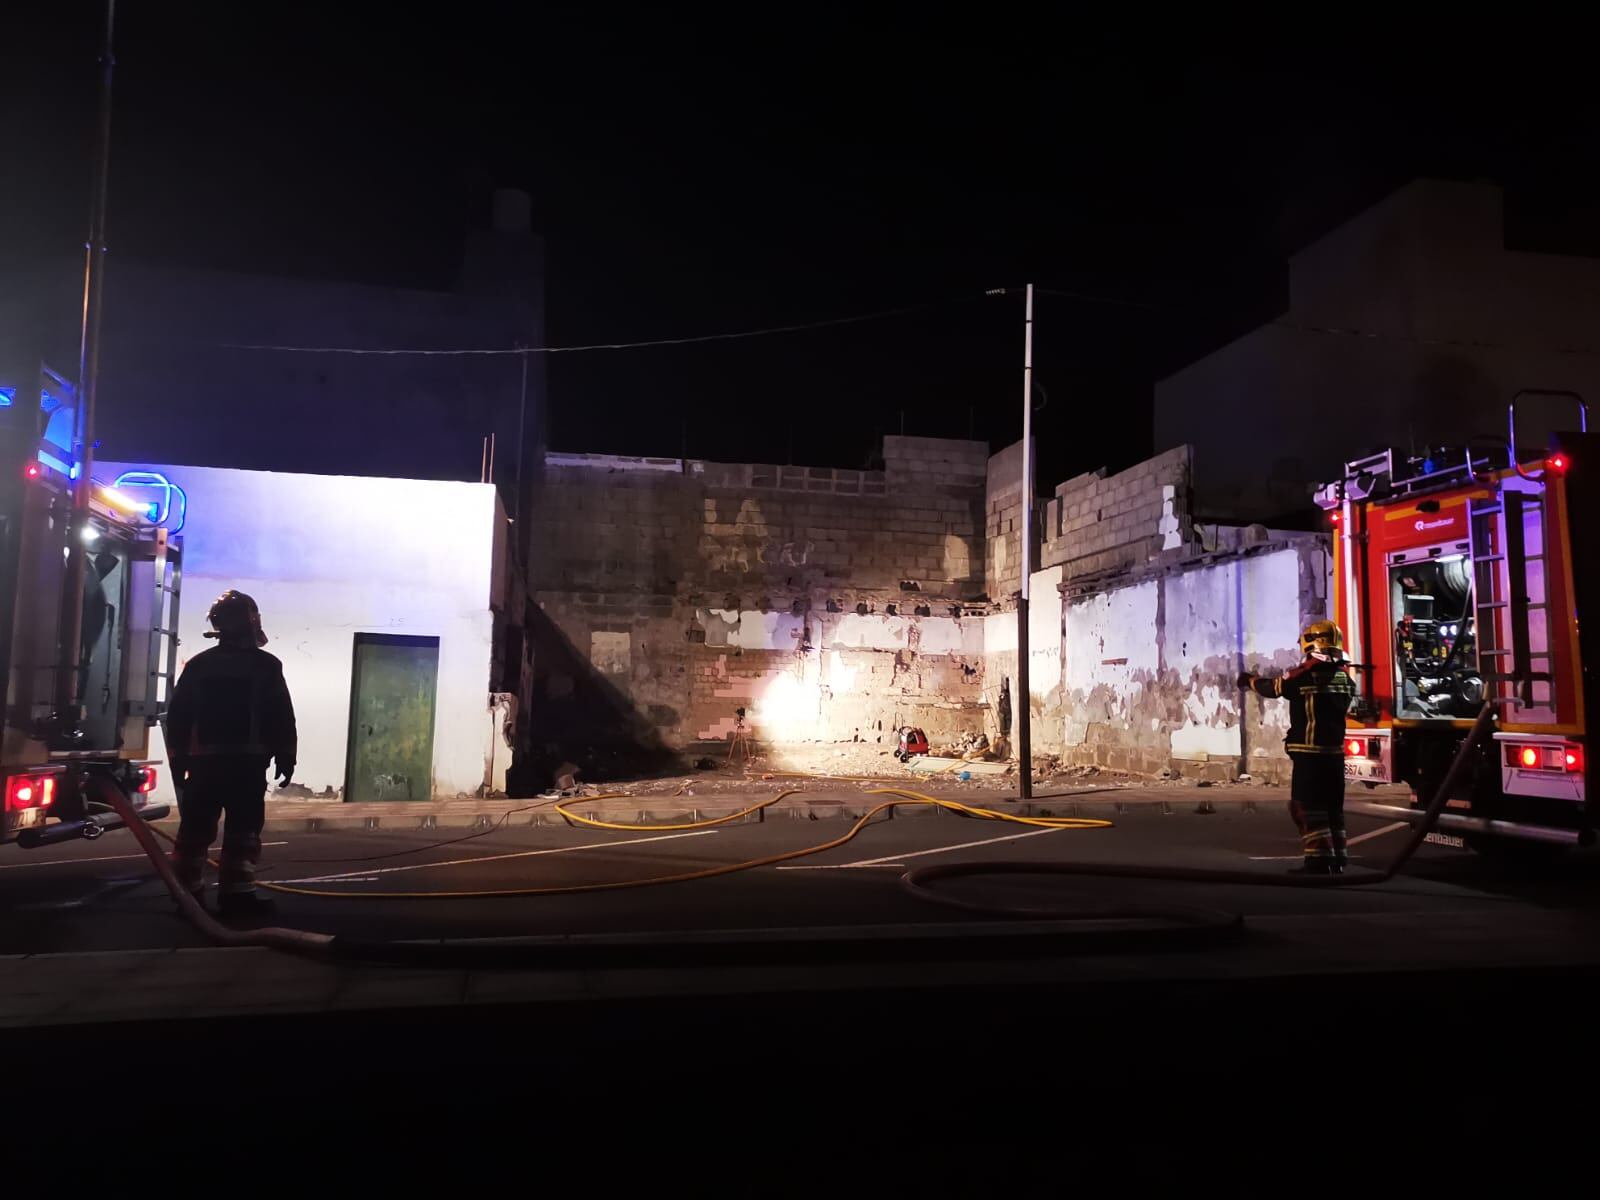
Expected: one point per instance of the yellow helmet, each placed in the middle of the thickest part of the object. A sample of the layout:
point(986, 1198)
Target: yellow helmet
point(1322, 639)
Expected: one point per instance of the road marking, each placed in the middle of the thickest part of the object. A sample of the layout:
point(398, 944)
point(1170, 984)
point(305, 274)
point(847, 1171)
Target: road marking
point(893, 860)
point(368, 875)
point(1355, 841)
point(63, 862)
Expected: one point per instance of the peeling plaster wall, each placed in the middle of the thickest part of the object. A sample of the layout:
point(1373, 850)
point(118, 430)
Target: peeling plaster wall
point(1150, 665)
point(766, 587)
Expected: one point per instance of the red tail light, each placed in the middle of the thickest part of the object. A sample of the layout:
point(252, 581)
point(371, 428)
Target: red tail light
point(30, 791)
point(1556, 463)
point(1546, 758)
point(147, 779)
point(1355, 747)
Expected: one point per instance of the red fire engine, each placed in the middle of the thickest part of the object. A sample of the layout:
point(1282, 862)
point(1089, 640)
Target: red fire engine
point(53, 786)
point(1458, 579)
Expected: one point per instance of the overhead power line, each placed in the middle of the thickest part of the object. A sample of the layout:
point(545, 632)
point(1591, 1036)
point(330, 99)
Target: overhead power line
point(799, 327)
point(907, 310)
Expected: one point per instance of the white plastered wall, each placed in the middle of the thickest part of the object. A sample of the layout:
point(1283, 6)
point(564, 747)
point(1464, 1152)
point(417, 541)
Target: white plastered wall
point(328, 557)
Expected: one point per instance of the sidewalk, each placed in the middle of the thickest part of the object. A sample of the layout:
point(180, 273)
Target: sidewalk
point(81, 989)
point(817, 799)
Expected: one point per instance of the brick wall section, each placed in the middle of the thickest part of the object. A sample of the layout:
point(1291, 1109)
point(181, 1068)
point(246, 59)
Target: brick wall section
point(916, 464)
point(1098, 523)
point(1002, 517)
point(628, 554)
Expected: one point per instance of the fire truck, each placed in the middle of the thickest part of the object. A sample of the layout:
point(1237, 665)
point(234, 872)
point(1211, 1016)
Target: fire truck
point(1460, 578)
point(53, 771)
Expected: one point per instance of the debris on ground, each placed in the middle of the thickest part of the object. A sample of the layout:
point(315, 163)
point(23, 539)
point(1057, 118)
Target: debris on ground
point(774, 769)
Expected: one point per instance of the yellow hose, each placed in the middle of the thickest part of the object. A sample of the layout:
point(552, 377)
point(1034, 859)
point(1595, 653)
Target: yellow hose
point(902, 798)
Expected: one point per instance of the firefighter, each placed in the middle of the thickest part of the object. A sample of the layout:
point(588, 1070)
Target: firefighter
point(230, 717)
point(1319, 692)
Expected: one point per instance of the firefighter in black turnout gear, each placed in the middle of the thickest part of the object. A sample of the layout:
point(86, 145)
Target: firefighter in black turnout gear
point(1319, 692)
point(229, 718)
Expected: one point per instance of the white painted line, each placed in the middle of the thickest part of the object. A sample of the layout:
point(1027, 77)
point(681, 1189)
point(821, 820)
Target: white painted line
point(893, 860)
point(66, 862)
point(371, 874)
point(1372, 833)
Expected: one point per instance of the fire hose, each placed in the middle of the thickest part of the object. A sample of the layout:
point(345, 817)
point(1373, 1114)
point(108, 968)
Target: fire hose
point(916, 881)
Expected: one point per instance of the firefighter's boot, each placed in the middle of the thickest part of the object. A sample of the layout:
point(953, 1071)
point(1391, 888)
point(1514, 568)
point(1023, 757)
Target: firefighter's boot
point(1341, 849)
point(189, 865)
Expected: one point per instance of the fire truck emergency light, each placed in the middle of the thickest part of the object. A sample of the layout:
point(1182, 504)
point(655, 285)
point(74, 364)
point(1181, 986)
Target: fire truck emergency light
point(138, 508)
point(32, 471)
point(1556, 463)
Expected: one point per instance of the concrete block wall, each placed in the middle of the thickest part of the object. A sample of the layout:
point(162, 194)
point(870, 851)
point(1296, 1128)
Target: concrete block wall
point(838, 605)
point(1098, 523)
point(1002, 524)
point(916, 464)
point(632, 557)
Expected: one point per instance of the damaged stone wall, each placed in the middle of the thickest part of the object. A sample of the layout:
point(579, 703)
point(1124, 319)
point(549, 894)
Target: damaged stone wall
point(1098, 523)
point(1150, 661)
point(824, 677)
point(831, 604)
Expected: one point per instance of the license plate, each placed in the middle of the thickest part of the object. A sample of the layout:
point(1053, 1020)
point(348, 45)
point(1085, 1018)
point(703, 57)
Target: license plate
point(1363, 768)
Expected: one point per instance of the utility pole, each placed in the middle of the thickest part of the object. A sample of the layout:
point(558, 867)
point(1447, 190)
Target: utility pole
point(66, 701)
point(1024, 701)
point(522, 437)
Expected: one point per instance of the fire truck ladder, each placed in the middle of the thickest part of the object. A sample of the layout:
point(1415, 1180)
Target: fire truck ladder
point(1500, 561)
point(163, 657)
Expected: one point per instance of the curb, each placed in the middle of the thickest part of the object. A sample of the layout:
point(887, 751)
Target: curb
point(845, 804)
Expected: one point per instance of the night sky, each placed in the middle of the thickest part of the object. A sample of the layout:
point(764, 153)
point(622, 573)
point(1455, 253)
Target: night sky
point(758, 165)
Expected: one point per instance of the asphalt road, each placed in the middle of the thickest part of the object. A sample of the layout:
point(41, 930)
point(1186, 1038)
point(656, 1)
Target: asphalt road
point(103, 896)
point(1387, 1005)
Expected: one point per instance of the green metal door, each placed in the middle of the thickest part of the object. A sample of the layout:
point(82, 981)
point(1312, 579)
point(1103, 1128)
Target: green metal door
point(394, 686)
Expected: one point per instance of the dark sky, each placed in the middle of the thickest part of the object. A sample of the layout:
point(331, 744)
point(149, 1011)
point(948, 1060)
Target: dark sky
point(746, 166)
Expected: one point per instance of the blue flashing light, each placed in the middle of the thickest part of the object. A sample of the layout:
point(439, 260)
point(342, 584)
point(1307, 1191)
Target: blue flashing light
point(1428, 466)
point(8, 396)
point(54, 463)
point(171, 502)
point(153, 512)
point(73, 474)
